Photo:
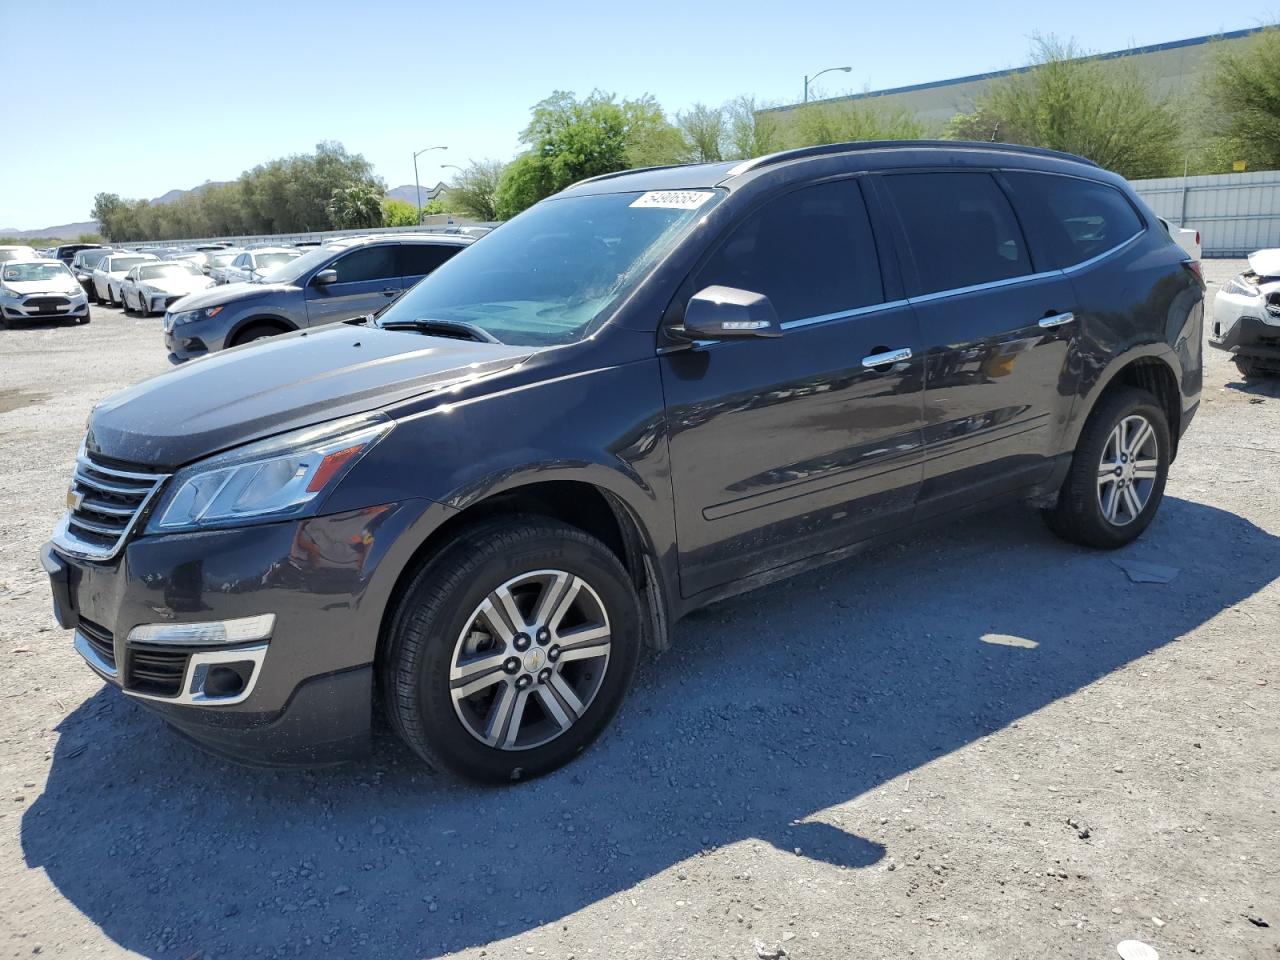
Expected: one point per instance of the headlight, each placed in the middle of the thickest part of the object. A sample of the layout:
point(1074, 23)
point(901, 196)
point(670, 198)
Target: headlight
point(76, 294)
point(1240, 287)
point(10, 294)
point(273, 479)
point(191, 316)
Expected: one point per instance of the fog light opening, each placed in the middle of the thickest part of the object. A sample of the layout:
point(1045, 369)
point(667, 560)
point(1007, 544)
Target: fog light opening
point(226, 680)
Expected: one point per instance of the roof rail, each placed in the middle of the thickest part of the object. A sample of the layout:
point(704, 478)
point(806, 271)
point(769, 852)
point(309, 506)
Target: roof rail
point(825, 149)
point(623, 173)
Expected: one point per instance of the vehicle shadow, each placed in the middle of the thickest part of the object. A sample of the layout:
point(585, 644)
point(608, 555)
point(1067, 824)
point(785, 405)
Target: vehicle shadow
point(770, 709)
point(1259, 387)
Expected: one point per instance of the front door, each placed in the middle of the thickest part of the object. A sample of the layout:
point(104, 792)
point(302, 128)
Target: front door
point(998, 332)
point(788, 448)
point(368, 279)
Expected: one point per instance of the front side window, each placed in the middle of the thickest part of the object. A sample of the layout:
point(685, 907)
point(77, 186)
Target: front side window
point(367, 263)
point(550, 275)
point(811, 252)
point(1075, 219)
point(960, 229)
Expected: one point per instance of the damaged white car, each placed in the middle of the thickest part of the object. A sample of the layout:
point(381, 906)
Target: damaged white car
point(1246, 316)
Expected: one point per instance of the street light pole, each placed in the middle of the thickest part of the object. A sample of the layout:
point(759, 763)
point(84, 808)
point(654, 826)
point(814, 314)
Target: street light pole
point(417, 189)
point(808, 80)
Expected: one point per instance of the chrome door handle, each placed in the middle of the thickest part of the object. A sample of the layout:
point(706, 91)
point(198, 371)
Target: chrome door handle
point(887, 358)
point(391, 293)
point(1057, 320)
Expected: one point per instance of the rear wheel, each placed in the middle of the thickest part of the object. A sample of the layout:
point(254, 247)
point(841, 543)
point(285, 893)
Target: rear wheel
point(511, 650)
point(1117, 475)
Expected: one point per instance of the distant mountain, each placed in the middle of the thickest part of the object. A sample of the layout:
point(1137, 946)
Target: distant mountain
point(69, 231)
point(408, 194)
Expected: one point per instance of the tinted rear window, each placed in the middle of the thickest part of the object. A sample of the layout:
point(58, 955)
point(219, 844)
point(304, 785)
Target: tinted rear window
point(810, 252)
point(419, 259)
point(1073, 219)
point(960, 228)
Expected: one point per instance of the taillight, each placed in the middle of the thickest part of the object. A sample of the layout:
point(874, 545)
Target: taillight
point(1197, 238)
point(1193, 267)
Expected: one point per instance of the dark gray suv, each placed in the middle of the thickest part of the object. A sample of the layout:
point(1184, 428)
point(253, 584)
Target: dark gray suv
point(336, 281)
point(649, 392)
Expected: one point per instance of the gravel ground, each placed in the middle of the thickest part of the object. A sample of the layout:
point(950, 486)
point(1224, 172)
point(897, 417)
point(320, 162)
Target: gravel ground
point(979, 743)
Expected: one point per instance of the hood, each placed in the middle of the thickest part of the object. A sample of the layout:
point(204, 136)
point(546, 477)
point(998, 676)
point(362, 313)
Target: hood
point(1265, 263)
point(177, 284)
point(65, 287)
point(280, 384)
point(228, 293)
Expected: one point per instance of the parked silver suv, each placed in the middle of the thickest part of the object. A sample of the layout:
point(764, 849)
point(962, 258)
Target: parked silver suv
point(336, 281)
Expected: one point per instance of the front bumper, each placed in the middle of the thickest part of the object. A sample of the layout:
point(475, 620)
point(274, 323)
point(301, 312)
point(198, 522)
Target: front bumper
point(311, 684)
point(1245, 325)
point(22, 311)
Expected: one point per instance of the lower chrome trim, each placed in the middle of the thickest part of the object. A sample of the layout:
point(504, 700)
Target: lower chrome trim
point(198, 665)
point(91, 657)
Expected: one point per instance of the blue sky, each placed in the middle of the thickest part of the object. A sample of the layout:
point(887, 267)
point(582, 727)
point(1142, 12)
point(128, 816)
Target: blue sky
point(203, 91)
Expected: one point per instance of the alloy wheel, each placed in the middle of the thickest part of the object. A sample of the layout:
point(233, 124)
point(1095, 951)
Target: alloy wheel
point(530, 660)
point(1128, 470)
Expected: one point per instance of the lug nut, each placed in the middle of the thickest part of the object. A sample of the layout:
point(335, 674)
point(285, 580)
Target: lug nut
point(553, 654)
point(523, 681)
point(521, 642)
point(511, 665)
point(544, 674)
point(544, 636)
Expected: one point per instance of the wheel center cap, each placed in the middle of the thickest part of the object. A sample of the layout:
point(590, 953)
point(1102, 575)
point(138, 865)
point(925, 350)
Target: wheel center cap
point(535, 659)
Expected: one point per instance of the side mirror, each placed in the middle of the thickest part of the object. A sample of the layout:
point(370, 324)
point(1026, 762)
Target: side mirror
point(717, 313)
point(325, 277)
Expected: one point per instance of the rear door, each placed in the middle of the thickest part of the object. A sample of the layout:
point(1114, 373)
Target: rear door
point(368, 279)
point(998, 331)
point(789, 448)
point(417, 260)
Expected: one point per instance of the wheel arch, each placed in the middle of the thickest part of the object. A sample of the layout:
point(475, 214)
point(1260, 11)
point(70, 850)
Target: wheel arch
point(580, 503)
point(283, 324)
point(1150, 367)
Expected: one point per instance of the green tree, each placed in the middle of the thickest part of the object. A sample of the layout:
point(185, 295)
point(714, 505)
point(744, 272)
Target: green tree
point(570, 139)
point(398, 213)
point(752, 133)
point(1241, 121)
point(355, 205)
point(1104, 110)
point(474, 191)
point(705, 131)
point(847, 122)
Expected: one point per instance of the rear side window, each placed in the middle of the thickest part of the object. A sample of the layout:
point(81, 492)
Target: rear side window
point(960, 228)
point(367, 263)
point(1073, 219)
point(811, 252)
point(419, 259)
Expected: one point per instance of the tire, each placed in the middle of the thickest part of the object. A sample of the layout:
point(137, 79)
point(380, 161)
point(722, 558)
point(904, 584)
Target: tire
point(88, 316)
point(440, 610)
point(1081, 515)
point(124, 302)
point(256, 331)
point(1249, 367)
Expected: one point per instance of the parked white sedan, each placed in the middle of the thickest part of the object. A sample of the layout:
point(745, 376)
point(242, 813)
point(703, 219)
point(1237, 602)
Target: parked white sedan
point(255, 264)
point(109, 274)
point(150, 287)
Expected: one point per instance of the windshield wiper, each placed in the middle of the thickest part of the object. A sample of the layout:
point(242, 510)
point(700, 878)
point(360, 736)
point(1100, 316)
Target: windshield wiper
point(457, 329)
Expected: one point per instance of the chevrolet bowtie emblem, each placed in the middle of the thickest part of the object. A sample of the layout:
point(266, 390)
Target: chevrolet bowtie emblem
point(74, 499)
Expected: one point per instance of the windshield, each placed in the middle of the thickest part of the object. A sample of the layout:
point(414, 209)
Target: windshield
point(124, 263)
point(222, 259)
point(15, 253)
point(295, 268)
point(26, 272)
point(168, 270)
point(271, 260)
point(90, 258)
point(547, 276)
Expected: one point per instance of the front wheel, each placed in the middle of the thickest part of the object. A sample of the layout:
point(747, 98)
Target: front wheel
point(1117, 475)
point(511, 650)
point(1249, 367)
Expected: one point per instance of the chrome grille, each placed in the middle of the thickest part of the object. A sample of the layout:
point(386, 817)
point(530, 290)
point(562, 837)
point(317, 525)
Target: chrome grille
point(104, 505)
